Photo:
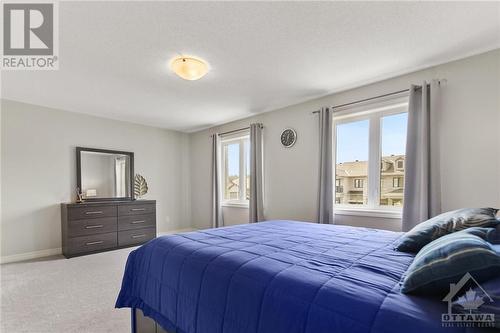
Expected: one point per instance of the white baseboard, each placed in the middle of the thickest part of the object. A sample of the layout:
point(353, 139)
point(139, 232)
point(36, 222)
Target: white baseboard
point(170, 232)
point(52, 252)
point(30, 255)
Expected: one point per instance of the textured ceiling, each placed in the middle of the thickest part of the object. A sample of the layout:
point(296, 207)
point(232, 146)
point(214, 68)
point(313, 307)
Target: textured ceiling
point(263, 55)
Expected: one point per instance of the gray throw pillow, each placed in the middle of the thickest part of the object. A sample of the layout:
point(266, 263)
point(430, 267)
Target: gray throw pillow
point(444, 224)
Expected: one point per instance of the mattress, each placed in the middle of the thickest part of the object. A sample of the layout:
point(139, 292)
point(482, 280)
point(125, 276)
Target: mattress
point(278, 277)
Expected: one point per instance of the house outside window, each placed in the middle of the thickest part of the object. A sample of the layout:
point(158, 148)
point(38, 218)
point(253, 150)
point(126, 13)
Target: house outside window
point(369, 149)
point(235, 165)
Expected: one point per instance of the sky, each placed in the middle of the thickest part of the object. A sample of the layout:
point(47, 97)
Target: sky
point(233, 153)
point(352, 138)
point(352, 141)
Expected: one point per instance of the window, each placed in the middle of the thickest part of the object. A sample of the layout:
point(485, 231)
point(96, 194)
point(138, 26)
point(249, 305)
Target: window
point(351, 161)
point(400, 164)
point(397, 182)
point(236, 169)
point(338, 186)
point(369, 156)
point(393, 143)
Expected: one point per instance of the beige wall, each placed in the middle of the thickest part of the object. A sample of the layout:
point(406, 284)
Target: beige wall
point(469, 141)
point(39, 172)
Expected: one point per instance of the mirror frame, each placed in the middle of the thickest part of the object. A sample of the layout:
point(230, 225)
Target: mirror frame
point(79, 150)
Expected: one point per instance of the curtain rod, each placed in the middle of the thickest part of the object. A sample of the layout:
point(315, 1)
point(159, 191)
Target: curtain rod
point(238, 130)
point(367, 99)
point(376, 97)
point(234, 131)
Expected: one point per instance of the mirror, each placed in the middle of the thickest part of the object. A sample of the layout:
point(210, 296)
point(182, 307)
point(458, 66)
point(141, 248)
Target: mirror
point(105, 174)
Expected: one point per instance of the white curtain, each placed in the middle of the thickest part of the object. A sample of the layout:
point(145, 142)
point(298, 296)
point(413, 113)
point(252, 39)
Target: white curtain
point(325, 199)
point(422, 190)
point(256, 207)
point(217, 220)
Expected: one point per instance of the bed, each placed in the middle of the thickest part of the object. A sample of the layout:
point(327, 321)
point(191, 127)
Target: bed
point(277, 277)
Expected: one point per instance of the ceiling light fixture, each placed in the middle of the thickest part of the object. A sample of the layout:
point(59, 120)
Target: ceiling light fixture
point(189, 68)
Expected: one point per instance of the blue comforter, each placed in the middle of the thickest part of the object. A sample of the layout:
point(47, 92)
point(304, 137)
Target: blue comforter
point(278, 277)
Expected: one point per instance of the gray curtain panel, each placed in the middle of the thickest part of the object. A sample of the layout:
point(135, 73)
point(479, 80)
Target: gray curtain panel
point(325, 200)
point(217, 220)
point(256, 207)
point(422, 191)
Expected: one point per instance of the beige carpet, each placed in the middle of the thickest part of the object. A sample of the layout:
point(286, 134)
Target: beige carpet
point(54, 294)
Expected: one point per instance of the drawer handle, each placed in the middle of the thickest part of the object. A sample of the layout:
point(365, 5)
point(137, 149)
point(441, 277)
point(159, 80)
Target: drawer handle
point(93, 226)
point(137, 209)
point(138, 236)
point(137, 222)
point(95, 212)
point(94, 243)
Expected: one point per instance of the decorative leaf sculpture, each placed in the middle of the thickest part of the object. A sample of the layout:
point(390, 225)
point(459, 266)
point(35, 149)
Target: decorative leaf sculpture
point(140, 186)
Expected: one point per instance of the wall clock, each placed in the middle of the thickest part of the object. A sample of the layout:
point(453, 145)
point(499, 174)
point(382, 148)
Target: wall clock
point(288, 137)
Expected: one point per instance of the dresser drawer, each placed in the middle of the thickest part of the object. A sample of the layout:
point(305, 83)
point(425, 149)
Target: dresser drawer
point(130, 222)
point(92, 243)
point(136, 209)
point(91, 226)
point(131, 237)
point(77, 213)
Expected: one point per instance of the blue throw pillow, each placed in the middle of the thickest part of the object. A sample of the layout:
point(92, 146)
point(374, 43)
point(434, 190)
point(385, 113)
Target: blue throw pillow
point(444, 224)
point(447, 259)
point(488, 234)
point(496, 235)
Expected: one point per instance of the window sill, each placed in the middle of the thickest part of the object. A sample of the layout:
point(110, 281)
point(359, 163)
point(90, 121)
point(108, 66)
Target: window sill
point(390, 214)
point(235, 204)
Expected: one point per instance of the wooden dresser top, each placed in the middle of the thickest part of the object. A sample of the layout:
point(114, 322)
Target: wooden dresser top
point(108, 203)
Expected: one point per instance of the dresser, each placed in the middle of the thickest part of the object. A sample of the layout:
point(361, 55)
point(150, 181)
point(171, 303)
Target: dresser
point(92, 227)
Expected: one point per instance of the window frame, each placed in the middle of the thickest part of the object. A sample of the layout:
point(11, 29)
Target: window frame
point(373, 112)
point(243, 139)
